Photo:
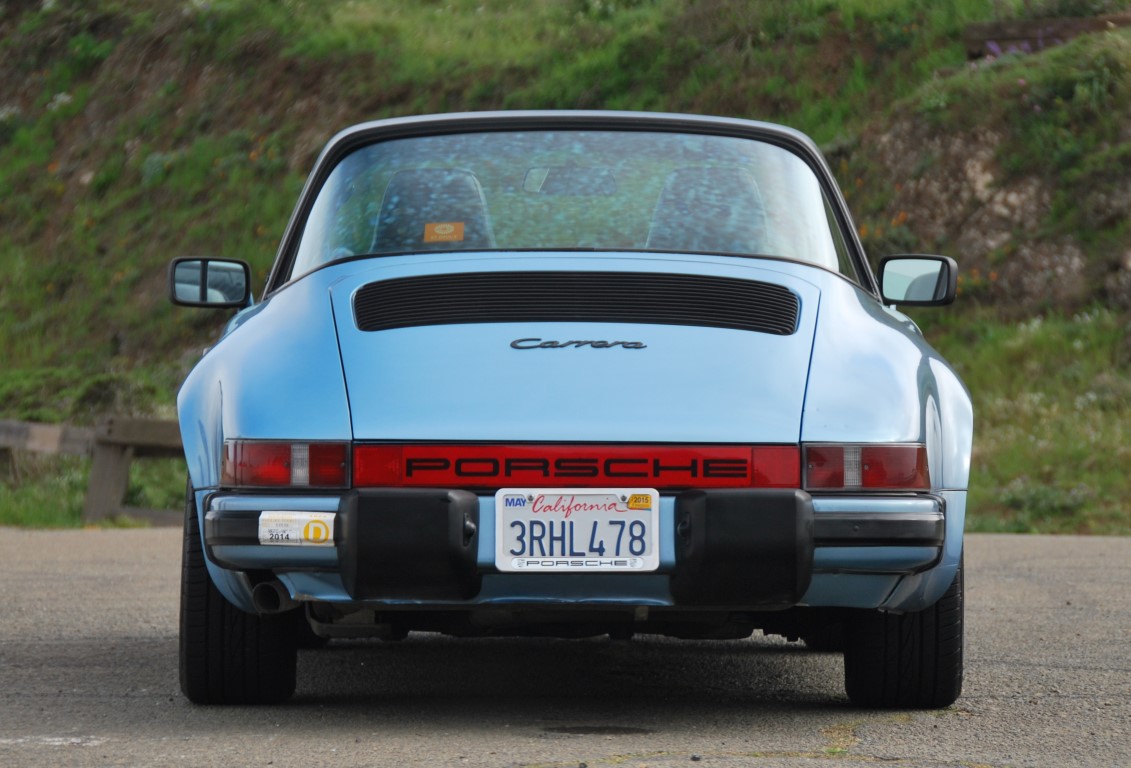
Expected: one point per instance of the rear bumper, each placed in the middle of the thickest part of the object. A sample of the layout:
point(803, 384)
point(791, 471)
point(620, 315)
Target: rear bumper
point(435, 547)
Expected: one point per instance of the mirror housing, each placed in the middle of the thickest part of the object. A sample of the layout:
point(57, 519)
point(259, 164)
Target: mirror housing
point(212, 283)
point(918, 280)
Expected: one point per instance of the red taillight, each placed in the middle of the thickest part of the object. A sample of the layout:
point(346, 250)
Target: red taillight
point(256, 464)
point(872, 467)
point(587, 466)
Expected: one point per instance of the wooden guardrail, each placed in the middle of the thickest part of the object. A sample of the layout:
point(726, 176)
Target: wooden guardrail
point(112, 446)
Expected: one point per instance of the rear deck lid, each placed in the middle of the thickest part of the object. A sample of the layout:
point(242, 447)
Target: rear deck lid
point(567, 352)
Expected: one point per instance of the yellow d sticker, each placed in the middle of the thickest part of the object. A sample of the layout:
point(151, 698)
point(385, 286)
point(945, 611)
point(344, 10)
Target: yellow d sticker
point(443, 232)
point(640, 501)
point(316, 532)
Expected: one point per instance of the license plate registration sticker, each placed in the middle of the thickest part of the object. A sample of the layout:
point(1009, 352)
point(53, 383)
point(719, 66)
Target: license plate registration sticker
point(297, 529)
point(590, 530)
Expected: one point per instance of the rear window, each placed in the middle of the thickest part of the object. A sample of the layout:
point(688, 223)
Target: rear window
point(568, 190)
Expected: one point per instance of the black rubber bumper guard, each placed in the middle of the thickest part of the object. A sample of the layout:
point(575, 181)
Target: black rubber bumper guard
point(742, 547)
point(410, 543)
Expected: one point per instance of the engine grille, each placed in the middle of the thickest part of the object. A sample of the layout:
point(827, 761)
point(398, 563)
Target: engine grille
point(609, 297)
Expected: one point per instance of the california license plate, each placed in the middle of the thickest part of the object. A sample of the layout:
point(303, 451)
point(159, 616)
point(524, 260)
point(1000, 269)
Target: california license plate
point(586, 530)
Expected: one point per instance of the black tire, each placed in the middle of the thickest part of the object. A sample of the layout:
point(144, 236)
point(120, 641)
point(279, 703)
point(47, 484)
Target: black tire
point(228, 656)
point(906, 661)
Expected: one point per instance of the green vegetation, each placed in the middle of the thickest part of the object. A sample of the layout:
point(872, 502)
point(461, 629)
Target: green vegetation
point(1052, 434)
point(40, 492)
point(134, 132)
point(1062, 121)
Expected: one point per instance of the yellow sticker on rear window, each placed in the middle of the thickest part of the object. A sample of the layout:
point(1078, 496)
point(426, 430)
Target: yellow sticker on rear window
point(443, 232)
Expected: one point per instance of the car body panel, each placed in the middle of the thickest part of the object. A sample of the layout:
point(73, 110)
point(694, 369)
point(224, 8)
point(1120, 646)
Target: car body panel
point(689, 384)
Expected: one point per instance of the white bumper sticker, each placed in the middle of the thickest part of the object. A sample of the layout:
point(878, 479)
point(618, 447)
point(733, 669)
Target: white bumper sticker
point(297, 529)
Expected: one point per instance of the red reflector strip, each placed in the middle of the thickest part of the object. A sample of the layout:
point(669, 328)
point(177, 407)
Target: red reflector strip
point(872, 467)
point(776, 466)
point(261, 464)
point(585, 466)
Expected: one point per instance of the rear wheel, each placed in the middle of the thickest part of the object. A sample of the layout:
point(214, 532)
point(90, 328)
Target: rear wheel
point(906, 661)
point(228, 656)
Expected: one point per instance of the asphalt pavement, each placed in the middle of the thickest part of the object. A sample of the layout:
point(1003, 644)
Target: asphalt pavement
point(88, 677)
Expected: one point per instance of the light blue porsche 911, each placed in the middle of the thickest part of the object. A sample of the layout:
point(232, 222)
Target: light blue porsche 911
point(573, 374)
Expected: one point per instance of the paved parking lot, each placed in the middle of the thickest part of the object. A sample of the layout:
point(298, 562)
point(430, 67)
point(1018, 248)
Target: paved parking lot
point(88, 676)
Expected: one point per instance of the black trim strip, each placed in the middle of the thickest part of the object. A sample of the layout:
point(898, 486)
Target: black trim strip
point(853, 529)
point(231, 528)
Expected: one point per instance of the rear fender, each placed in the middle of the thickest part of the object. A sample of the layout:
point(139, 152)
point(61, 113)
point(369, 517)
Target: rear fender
point(249, 387)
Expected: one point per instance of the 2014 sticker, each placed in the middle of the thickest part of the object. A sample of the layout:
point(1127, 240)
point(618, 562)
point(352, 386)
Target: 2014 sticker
point(297, 529)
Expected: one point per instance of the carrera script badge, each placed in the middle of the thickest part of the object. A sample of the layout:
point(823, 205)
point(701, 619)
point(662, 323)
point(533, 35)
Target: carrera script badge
point(575, 344)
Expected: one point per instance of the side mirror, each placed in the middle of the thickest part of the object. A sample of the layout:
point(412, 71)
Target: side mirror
point(216, 283)
point(918, 281)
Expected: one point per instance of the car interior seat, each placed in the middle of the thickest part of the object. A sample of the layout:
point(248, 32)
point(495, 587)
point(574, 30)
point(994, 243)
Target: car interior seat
point(709, 209)
point(432, 209)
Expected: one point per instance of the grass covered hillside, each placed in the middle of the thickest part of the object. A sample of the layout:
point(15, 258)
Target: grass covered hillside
point(133, 131)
